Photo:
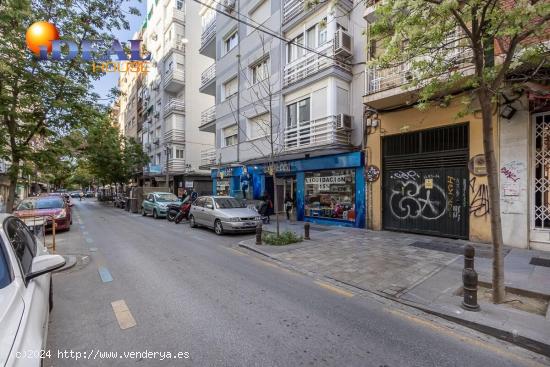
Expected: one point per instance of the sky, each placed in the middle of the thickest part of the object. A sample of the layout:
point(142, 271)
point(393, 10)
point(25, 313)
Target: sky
point(103, 85)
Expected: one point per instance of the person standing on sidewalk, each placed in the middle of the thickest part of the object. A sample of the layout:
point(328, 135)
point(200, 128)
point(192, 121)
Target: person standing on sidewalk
point(288, 206)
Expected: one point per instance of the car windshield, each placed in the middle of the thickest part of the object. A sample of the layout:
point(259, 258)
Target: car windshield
point(165, 198)
point(228, 203)
point(47, 203)
point(4, 273)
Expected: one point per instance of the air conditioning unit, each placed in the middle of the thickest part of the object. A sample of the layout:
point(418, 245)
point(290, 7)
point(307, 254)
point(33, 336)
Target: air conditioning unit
point(154, 36)
point(344, 121)
point(156, 85)
point(228, 5)
point(156, 114)
point(156, 141)
point(342, 43)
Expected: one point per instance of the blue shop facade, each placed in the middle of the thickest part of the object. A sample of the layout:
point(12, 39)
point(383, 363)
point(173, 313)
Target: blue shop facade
point(326, 189)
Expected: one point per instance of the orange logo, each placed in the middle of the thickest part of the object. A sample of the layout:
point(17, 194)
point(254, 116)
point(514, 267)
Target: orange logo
point(41, 34)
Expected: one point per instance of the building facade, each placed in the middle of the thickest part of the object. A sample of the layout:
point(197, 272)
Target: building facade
point(288, 83)
point(168, 107)
point(431, 176)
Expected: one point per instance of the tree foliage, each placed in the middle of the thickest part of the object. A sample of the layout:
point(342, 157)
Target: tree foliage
point(43, 100)
point(448, 47)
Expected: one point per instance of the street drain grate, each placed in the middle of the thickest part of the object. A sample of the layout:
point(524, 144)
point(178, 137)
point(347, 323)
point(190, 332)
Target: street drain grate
point(454, 248)
point(539, 261)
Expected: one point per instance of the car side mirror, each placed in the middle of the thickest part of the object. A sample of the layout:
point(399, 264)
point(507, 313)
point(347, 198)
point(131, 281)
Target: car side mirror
point(45, 264)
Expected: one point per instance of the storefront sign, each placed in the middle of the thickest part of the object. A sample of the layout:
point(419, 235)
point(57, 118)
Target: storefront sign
point(326, 180)
point(189, 184)
point(373, 173)
point(429, 183)
point(155, 168)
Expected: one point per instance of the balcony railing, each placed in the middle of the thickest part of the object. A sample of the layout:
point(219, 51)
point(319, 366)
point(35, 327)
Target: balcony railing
point(173, 77)
point(312, 63)
point(208, 115)
point(208, 75)
point(176, 44)
point(381, 79)
point(174, 14)
point(208, 31)
point(294, 8)
point(174, 105)
point(174, 135)
point(321, 132)
point(208, 157)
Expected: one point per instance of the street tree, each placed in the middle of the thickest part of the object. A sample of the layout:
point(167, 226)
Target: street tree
point(47, 99)
point(260, 99)
point(437, 37)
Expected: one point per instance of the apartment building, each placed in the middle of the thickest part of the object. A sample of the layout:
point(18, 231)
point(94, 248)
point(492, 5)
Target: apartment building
point(291, 93)
point(169, 108)
point(428, 167)
point(129, 120)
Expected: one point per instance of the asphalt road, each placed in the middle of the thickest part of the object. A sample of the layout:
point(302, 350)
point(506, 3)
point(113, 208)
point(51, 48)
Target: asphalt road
point(190, 291)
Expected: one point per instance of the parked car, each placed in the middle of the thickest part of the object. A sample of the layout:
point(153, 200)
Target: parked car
point(156, 204)
point(223, 214)
point(75, 194)
point(53, 206)
point(25, 293)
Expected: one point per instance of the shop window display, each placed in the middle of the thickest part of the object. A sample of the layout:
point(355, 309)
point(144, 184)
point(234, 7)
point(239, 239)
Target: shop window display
point(330, 194)
point(222, 187)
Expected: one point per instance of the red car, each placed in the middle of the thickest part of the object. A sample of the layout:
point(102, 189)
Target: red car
point(53, 206)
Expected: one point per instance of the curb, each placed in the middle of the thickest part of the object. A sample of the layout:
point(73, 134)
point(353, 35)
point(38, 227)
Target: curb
point(70, 262)
point(521, 341)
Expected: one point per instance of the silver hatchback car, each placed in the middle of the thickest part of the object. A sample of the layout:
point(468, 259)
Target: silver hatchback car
point(223, 214)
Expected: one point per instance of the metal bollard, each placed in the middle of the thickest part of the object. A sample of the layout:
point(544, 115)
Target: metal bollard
point(259, 234)
point(469, 280)
point(469, 254)
point(306, 231)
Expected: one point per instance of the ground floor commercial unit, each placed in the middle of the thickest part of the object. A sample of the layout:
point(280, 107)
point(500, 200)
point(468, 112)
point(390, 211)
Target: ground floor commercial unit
point(432, 175)
point(325, 189)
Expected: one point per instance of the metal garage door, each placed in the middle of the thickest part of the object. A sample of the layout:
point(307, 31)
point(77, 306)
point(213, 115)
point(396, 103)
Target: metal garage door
point(425, 182)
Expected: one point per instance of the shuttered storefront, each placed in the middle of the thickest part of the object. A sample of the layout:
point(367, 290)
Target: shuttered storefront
point(426, 181)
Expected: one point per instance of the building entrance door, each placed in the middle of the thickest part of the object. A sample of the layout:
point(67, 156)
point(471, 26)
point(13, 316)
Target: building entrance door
point(425, 182)
point(540, 180)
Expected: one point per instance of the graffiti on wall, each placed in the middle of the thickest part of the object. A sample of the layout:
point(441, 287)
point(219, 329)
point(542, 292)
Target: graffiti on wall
point(413, 202)
point(479, 202)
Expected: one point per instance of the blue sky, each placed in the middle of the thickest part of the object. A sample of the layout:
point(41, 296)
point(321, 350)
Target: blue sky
point(109, 80)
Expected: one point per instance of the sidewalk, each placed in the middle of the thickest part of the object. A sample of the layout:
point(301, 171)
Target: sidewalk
point(424, 272)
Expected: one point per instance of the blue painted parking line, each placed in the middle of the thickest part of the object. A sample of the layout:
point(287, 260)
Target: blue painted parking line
point(104, 274)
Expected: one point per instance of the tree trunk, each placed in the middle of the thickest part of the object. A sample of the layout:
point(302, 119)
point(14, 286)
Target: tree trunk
point(11, 194)
point(494, 195)
point(275, 199)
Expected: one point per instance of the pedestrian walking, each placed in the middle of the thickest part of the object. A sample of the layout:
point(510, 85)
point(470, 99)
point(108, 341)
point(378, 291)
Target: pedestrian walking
point(288, 205)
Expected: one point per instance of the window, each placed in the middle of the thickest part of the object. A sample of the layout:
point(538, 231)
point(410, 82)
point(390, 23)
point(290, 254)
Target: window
point(230, 135)
point(230, 42)
point(260, 71)
point(22, 242)
point(260, 14)
point(298, 112)
point(322, 26)
point(179, 4)
point(330, 194)
point(295, 48)
point(5, 276)
point(179, 153)
point(230, 88)
point(310, 37)
point(258, 127)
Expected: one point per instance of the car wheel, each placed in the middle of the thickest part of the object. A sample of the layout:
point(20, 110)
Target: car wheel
point(218, 227)
point(143, 212)
point(192, 223)
point(155, 215)
point(50, 297)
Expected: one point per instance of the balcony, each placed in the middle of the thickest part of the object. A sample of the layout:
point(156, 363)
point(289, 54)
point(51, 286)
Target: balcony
point(174, 105)
point(387, 87)
point(208, 157)
point(174, 136)
point(208, 39)
point(326, 131)
point(313, 63)
point(156, 141)
point(208, 81)
point(173, 80)
point(296, 10)
point(208, 120)
point(178, 165)
point(174, 45)
point(175, 15)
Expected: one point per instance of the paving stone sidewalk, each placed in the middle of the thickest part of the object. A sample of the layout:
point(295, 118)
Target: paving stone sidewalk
point(420, 270)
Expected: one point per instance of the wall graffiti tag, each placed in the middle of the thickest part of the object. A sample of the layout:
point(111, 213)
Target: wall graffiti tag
point(414, 202)
point(479, 203)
